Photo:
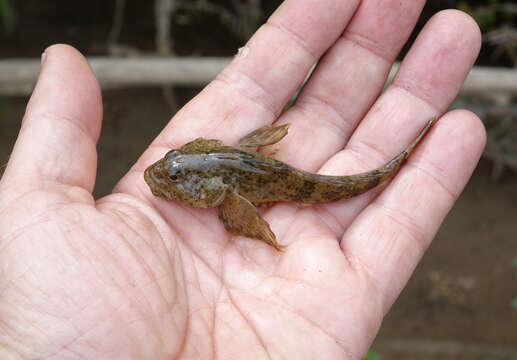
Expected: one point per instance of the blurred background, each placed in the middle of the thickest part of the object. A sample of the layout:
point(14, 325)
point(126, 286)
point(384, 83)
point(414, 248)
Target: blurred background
point(151, 57)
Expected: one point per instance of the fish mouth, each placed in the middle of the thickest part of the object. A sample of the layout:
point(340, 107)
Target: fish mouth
point(154, 178)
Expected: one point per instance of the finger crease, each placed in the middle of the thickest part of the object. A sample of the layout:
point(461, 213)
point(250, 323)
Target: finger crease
point(367, 44)
point(397, 84)
point(298, 40)
point(375, 154)
point(71, 120)
point(335, 120)
point(405, 221)
point(431, 175)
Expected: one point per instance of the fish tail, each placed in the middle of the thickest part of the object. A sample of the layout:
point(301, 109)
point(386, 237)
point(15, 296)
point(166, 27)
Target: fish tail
point(334, 188)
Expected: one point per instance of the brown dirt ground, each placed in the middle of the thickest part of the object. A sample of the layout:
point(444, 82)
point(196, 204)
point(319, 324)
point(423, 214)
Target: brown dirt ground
point(460, 292)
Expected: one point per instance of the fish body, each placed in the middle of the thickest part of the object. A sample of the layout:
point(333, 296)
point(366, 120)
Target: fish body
point(200, 177)
point(206, 173)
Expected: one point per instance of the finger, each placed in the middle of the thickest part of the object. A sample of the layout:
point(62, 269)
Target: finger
point(255, 86)
point(252, 90)
point(428, 80)
point(347, 81)
point(61, 126)
point(389, 237)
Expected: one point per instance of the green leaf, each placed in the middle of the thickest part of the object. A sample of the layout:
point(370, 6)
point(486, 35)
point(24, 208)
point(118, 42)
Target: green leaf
point(371, 355)
point(464, 6)
point(5, 8)
point(7, 16)
point(514, 302)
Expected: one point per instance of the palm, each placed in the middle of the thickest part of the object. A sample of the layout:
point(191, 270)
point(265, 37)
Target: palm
point(162, 271)
point(131, 275)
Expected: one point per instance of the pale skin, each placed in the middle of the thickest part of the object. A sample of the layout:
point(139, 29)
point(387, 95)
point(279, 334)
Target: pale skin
point(134, 276)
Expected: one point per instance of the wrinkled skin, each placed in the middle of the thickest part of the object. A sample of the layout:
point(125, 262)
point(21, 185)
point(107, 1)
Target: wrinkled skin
point(205, 173)
point(132, 275)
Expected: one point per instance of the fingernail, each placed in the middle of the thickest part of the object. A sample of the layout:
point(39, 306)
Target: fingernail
point(242, 52)
point(43, 56)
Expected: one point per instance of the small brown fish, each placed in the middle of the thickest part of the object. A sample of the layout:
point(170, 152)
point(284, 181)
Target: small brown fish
point(206, 173)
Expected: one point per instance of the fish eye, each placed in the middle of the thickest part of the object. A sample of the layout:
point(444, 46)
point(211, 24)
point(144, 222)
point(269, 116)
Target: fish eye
point(174, 174)
point(172, 154)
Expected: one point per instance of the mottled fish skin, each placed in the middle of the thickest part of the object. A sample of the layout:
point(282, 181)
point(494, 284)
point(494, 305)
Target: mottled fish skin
point(203, 171)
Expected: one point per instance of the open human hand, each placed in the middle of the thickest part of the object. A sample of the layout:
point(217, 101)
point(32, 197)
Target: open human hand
point(133, 276)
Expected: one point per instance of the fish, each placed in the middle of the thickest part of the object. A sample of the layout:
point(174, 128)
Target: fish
point(205, 173)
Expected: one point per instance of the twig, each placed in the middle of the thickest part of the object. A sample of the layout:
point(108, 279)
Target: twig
point(18, 76)
point(113, 46)
point(118, 22)
point(163, 10)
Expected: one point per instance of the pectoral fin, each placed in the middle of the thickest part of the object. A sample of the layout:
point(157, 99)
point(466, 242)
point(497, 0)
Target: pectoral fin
point(266, 135)
point(240, 217)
